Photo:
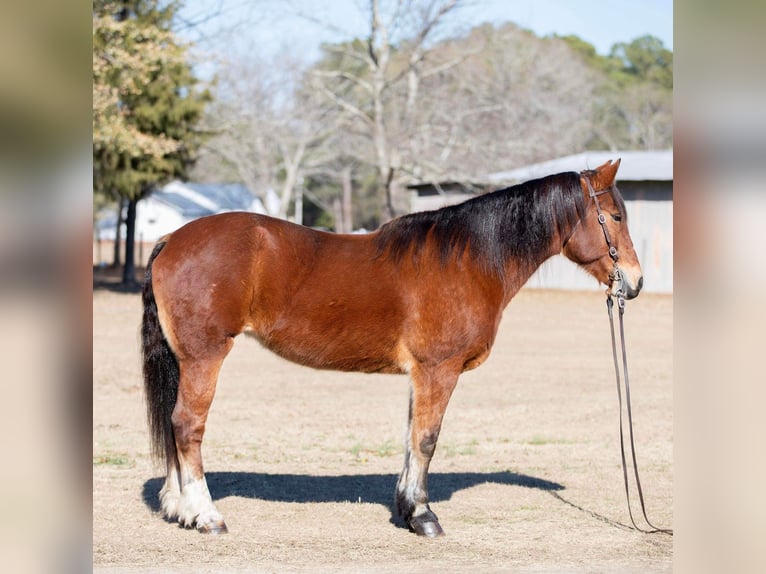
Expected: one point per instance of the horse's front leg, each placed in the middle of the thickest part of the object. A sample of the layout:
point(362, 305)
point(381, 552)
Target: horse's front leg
point(429, 395)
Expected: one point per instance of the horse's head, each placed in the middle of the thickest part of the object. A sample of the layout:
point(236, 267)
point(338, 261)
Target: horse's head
point(600, 242)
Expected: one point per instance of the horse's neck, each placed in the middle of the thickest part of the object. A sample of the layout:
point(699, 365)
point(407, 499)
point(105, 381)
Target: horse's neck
point(518, 272)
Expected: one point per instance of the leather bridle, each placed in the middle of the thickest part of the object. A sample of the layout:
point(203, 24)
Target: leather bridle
point(620, 296)
point(616, 275)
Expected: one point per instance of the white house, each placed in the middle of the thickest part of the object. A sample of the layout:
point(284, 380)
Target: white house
point(177, 203)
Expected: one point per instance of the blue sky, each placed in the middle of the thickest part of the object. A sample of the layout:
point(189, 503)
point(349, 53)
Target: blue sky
point(269, 26)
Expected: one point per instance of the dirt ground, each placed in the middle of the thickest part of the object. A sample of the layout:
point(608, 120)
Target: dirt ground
point(303, 463)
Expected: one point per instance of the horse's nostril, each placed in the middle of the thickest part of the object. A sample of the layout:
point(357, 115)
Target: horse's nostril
point(640, 283)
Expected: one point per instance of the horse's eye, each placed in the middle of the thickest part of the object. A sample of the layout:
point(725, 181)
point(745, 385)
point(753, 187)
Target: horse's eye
point(616, 216)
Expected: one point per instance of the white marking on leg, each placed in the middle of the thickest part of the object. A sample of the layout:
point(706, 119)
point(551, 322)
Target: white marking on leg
point(414, 493)
point(401, 484)
point(196, 507)
point(409, 485)
point(170, 495)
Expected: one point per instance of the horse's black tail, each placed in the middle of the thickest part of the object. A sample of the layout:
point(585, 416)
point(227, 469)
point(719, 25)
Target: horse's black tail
point(160, 369)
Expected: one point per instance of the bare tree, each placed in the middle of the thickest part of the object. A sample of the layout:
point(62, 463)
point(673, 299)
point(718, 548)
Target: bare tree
point(388, 66)
point(460, 107)
point(268, 129)
point(516, 99)
point(648, 111)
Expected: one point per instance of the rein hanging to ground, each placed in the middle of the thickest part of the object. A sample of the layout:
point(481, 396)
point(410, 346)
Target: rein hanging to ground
point(621, 307)
point(620, 296)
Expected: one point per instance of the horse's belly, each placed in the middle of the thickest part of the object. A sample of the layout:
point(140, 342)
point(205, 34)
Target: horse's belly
point(328, 348)
point(331, 319)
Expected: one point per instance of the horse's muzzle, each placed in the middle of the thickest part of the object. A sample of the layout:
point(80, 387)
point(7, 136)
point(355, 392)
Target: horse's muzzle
point(629, 286)
point(631, 291)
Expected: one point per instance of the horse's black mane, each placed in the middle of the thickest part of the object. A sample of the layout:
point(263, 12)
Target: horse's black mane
point(516, 222)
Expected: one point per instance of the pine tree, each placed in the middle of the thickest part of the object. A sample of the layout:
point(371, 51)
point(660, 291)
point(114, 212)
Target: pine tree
point(146, 105)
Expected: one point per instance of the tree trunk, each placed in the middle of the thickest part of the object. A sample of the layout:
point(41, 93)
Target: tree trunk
point(380, 51)
point(389, 211)
point(348, 225)
point(117, 259)
point(129, 271)
point(291, 165)
point(337, 215)
point(299, 204)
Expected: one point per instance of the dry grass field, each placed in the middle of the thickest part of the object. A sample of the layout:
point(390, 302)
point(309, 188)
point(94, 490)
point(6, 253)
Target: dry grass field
point(303, 463)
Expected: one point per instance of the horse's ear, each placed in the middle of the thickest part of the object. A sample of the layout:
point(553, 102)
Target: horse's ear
point(606, 174)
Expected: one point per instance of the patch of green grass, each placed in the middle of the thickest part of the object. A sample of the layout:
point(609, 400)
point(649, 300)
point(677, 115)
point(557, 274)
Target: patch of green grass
point(388, 447)
point(528, 508)
point(539, 440)
point(465, 449)
point(250, 454)
point(475, 519)
point(111, 459)
point(312, 442)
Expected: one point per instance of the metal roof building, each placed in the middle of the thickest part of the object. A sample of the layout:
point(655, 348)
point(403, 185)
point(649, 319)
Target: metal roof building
point(635, 166)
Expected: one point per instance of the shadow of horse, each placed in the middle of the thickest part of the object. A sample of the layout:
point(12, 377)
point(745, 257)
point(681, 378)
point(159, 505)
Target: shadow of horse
point(371, 488)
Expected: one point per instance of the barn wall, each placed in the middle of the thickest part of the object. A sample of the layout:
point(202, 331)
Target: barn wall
point(430, 202)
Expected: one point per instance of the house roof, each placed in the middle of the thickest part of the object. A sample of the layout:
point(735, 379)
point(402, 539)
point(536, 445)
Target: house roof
point(636, 165)
point(231, 196)
point(194, 200)
point(184, 205)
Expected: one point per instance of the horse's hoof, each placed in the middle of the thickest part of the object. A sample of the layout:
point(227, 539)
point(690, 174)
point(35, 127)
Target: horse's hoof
point(426, 525)
point(213, 528)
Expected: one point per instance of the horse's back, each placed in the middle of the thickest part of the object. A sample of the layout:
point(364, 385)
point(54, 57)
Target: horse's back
point(231, 255)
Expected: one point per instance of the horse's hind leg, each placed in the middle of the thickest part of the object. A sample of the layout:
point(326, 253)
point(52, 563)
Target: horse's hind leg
point(170, 494)
point(195, 394)
point(430, 393)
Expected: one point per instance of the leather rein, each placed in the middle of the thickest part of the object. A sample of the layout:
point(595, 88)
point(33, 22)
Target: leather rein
point(620, 296)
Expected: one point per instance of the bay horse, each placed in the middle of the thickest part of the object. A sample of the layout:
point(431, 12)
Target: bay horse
point(423, 295)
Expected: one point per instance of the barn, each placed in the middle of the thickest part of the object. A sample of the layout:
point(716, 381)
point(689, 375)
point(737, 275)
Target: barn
point(645, 180)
